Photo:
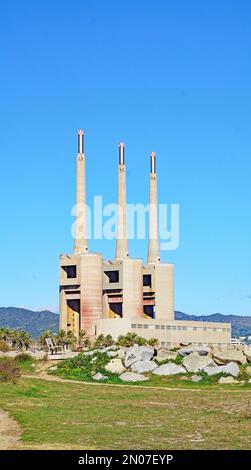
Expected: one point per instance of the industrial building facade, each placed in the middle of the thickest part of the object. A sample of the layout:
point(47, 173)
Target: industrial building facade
point(125, 294)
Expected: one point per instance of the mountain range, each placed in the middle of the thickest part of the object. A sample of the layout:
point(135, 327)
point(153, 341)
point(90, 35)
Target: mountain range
point(37, 322)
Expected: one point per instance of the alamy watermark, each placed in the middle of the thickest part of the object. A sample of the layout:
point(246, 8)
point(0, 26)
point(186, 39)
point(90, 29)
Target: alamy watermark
point(101, 222)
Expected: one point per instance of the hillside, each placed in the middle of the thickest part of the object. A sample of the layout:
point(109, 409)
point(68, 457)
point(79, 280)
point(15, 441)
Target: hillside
point(33, 322)
point(37, 322)
point(241, 325)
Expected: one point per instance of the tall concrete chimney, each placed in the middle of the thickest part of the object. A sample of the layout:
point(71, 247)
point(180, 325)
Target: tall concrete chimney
point(122, 242)
point(80, 244)
point(153, 245)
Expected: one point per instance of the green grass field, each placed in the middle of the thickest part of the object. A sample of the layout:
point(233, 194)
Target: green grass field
point(56, 415)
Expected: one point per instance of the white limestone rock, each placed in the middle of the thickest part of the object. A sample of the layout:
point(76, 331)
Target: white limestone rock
point(194, 362)
point(248, 370)
point(133, 377)
point(138, 353)
point(247, 352)
point(99, 376)
point(112, 353)
point(121, 352)
point(231, 355)
point(90, 353)
point(164, 354)
point(232, 369)
point(115, 366)
point(201, 350)
point(196, 378)
point(169, 369)
point(227, 380)
point(213, 370)
point(143, 366)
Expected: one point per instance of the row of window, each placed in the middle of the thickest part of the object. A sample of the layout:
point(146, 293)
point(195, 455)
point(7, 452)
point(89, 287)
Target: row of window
point(176, 327)
point(113, 276)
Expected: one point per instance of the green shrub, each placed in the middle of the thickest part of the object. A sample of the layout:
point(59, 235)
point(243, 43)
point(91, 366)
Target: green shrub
point(23, 357)
point(103, 341)
point(9, 370)
point(4, 347)
point(153, 342)
point(83, 366)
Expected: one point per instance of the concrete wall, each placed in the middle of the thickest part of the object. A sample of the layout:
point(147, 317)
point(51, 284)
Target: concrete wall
point(164, 291)
point(133, 288)
point(170, 333)
point(91, 289)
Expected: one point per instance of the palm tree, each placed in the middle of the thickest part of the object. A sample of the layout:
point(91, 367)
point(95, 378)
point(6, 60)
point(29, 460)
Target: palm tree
point(44, 335)
point(66, 339)
point(83, 340)
point(24, 339)
point(153, 342)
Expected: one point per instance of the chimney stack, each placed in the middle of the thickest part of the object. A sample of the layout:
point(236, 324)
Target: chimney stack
point(153, 245)
point(80, 244)
point(122, 242)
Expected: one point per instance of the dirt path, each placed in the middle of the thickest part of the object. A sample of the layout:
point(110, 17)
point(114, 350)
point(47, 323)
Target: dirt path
point(9, 432)
point(54, 378)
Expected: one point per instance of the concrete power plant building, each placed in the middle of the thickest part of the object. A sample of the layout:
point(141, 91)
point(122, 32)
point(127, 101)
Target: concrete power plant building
point(121, 295)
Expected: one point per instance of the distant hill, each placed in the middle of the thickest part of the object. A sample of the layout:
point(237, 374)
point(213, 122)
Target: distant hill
point(33, 322)
point(241, 325)
point(37, 322)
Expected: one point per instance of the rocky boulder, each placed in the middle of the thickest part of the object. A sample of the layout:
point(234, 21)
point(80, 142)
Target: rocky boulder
point(231, 369)
point(115, 366)
point(138, 353)
point(196, 378)
point(201, 350)
point(164, 354)
point(229, 355)
point(227, 380)
point(248, 370)
point(99, 376)
point(143, 366)
point(169, 369)
point(132, 377)
point(247, 352)
point(194, 362)
point(112, 353)
point(90, 353)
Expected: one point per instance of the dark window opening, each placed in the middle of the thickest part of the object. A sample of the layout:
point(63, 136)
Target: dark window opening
point(113, 276)
point(74, 304)
point(149, 311)
point(147, 280)
point(116, 308)
point(71, 271)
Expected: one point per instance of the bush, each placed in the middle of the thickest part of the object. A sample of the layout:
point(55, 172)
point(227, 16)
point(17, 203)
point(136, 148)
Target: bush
point(103, 341)
point(23, 357)
point(83, 366)
point(9, 370)
point(4, 347)
point(132, 338)
point(153, 342)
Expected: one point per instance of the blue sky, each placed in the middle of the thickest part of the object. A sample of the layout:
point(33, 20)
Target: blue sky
point(170, 76)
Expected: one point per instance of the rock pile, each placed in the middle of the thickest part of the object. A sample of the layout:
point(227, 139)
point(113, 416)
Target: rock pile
point(132, 363)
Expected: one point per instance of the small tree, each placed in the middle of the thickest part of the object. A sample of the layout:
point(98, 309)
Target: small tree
point(44, 335)
point(103, 341)
point(83, 340)
point(66, 339)
point(153, 342)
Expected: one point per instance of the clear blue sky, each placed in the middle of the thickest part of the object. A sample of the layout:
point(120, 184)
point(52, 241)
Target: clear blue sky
point(170, 76)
